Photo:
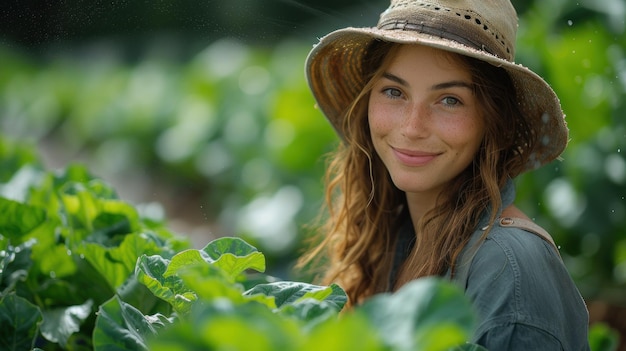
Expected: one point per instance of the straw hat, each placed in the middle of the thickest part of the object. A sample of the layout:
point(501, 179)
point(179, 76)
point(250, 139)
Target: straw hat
point(484, 30)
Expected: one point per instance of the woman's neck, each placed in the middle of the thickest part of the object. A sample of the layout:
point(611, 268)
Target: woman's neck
point(419, 204)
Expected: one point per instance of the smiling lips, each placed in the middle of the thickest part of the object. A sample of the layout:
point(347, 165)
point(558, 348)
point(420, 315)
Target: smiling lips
point(414, 158)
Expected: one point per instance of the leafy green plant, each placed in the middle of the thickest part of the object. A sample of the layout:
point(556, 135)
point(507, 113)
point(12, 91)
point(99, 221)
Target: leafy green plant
point(81, 269)
point(67, 245)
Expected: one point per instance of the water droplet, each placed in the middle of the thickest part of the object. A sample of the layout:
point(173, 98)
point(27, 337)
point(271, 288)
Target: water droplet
point(570, 22)
point(53, 274)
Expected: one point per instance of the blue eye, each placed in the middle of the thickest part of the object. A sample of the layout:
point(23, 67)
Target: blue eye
point(451, 101)
point(392, 93)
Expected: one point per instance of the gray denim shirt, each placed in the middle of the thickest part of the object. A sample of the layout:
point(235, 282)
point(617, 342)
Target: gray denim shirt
point(520, 288)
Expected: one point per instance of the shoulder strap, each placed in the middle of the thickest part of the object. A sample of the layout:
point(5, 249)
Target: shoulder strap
point(466, 257)
point(530, 227)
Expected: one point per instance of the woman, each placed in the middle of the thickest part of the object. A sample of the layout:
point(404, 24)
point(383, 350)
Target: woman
point(436, 120)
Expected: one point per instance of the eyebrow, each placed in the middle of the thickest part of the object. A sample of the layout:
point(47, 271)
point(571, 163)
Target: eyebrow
point(444, 85)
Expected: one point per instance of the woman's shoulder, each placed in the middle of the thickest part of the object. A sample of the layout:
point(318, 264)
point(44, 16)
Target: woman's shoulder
point(511, 245)
point(512, 227)
point(517, 277)
point(515, 258)
point(520, 239)
point(529, 261)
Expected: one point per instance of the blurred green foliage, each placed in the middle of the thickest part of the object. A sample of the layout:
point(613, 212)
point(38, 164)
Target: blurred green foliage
point(228, 139)
point(582, 199)
point(232, 133)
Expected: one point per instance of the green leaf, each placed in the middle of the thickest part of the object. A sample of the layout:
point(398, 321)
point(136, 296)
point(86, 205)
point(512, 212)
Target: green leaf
point(186, 258)
point(138, 295)
point(209, 283)
point(268, 301)
point(233, 255)
point(54, 259)
point(290, 292)
point(19, 219)
point(200, 276)
point(332, 294)
point(235, 265)
point(310, 311)
point(94, 212)
point(252, 279)
point(221, 325)
point(150, 272)
point(74, 289)
point(351, 332)
point(15, 263)
point(81, 206)
point(20, 321)
point(60, 323)
point(232, 245)
point(108, 228)
point(425, 314)
point(120, 326)
point(116, 264)
point(316, 306)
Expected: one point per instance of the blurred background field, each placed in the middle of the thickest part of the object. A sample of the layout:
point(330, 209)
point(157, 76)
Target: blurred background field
point(201, 109)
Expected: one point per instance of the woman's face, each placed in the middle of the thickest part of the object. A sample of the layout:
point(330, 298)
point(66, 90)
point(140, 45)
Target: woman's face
point(424, 119)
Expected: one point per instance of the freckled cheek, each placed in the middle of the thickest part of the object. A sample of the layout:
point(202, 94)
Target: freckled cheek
point(377, 121)
point(456, 131)
point(463, 135)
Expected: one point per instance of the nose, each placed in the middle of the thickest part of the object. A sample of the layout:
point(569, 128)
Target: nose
point(416, 121)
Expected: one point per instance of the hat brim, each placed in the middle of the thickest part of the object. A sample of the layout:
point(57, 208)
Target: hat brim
point(335, 79)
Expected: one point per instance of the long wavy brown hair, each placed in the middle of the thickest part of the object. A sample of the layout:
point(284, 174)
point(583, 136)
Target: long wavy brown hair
point(356, 241)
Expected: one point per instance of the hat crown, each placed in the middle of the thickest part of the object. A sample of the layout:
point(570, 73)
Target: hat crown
point(485, 25)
